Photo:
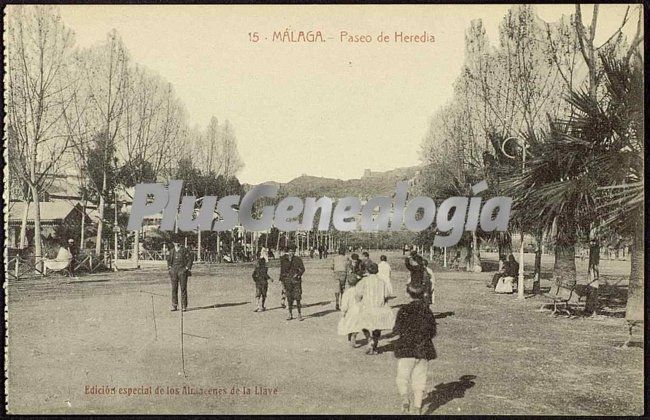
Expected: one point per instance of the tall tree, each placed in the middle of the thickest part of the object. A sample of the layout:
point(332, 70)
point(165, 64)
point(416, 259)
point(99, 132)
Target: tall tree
point(39, 48)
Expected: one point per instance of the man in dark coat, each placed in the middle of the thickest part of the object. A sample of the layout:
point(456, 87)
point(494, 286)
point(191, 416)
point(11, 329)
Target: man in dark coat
point(291, 271)
point(261, 278)
point(179, 263)
point(415, 265)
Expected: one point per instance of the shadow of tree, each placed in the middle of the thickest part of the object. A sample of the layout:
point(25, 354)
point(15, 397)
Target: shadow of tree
point(445, 392)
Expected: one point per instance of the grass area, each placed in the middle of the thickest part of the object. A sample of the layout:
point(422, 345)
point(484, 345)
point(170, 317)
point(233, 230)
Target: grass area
point(497, 355)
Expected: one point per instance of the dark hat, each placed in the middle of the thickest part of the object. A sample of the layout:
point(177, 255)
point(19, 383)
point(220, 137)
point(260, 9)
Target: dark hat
point(373, 268)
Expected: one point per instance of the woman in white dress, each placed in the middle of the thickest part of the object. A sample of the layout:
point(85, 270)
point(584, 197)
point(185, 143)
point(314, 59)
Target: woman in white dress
point(350, 310)
point(375, 314)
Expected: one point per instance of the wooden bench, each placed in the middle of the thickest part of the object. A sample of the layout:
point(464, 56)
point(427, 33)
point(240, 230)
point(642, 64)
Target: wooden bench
point(561, 298)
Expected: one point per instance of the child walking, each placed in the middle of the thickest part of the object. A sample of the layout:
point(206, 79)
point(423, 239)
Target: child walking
point(375, 314)
point(416, 327)
point(350, 308)
point(261, 278)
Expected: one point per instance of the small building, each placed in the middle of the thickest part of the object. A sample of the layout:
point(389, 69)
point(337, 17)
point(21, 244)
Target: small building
point(54, 216)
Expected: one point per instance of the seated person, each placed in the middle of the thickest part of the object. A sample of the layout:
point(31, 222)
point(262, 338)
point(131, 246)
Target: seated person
point(510, 269)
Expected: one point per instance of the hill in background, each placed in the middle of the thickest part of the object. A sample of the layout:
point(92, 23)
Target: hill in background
point(371, 184)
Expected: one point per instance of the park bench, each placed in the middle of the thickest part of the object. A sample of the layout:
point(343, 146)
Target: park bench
point(562, 297)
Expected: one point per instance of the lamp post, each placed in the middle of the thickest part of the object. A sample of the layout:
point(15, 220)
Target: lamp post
point(520, 280)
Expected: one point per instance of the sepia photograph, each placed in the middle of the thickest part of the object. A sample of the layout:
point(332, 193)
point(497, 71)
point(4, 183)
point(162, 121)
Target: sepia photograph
point(324, 209)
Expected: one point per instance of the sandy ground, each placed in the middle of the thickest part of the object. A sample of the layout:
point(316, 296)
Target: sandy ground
point(497, 355)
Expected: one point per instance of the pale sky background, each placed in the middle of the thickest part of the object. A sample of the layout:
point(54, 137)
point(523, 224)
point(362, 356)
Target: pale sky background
point(329, 109)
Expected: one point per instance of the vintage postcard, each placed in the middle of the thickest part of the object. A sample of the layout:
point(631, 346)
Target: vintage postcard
point(324, 209)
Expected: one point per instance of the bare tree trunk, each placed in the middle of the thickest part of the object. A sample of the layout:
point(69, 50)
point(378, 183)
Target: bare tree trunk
point(38, 245)
point(136, 247)
point(100, 223)
point(23, 224)
point(82, 238)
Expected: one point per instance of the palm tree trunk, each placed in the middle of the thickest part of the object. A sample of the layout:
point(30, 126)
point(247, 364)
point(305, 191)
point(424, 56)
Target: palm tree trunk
point(476, 254)
point(564, 270)
point(538, 263)
point(635, 304)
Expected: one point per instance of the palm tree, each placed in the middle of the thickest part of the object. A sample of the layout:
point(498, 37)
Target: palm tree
point(588, 168)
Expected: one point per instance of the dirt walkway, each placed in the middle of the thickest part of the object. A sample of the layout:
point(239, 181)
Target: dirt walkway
point(496, 355)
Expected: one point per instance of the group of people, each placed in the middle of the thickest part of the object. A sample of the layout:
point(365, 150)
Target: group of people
point(321, 250)
point(291, 271)
point(362, 290)
point(364, 306)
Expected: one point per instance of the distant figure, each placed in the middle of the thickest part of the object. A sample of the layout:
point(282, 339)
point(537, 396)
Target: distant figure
point(415, 266)
point(261, 278)
point(416, 327)
point(376, 315)
point(320, 252)
point(354, 267)
point(365, 262)
point(339, 268)
point(291, 271)
point(351, 309)
point(72, 249)
point(264, 253)
point(384, 274)
point(405, 249)
point(179, 263)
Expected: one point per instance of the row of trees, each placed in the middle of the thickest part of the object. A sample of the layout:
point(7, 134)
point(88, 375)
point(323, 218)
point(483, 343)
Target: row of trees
point(574, 108)
point(96, 112)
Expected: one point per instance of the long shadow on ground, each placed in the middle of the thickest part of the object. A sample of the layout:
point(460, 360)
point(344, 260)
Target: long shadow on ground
point(445, 392)
point(325, 302)
point(218, 305)
point(321, 313)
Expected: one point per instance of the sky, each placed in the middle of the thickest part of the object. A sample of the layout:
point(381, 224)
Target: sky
point(327, 109)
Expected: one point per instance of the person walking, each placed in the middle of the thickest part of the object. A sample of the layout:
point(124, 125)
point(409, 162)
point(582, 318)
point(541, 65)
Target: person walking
point(351, 309)
point(261, 278)
point(179, 263)
point(415, 266)
point(339, 269)
point(375, 315)
point(415, 325)
point(291, 271)
point(384, 274)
